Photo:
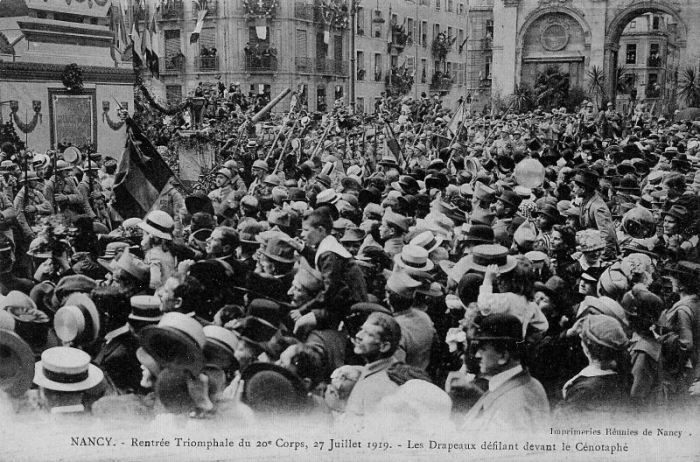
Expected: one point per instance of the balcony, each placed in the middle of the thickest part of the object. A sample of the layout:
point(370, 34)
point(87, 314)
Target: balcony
point(303, 11)
point(305, 65)
point(332, 67)
point(212, 7)
point(654, 61)
point(260, 64)
point(206, 63)
point(653, 92)
point(486, 44)
point(173, 11)
point(172, 64)
point(440, 83)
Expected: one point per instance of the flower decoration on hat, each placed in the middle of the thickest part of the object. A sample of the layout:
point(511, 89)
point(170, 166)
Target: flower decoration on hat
point(590, 240)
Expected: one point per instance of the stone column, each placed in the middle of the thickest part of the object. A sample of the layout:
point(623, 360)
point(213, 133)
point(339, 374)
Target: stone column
point(505, 32)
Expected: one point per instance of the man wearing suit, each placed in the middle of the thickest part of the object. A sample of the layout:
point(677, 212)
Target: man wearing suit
point(514, 400)
point(117, 355)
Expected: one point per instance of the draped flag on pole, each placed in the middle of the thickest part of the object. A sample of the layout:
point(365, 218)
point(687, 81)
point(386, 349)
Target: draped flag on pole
point(154, 60)
point(141, 175)
point(201, 13)
point(138, 58)
point(392, 144)
point(457, 119)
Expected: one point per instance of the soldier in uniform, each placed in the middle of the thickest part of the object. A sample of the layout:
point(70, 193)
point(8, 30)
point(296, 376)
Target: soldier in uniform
point(225, 197)
point(260, 171)
point(91, 190)
point(62, 189)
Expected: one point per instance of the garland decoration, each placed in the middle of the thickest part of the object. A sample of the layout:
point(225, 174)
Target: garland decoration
point(29, 126)
point(121, 113)
point(73, 78)
point(170, 110)
point(260, 9)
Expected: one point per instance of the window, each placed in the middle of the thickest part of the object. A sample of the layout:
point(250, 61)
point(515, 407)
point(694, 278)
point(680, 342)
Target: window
point(631, 53)
point(410, 65)
point(360, 63)
point(302, 43)
point(321, 98)
point(460, 8)
point(394, 19)
point(449, 33)
point(436, 31)
point(655, 23)
point(338, 92)
point(633, 25)
point(377, 67)
point(487, 67)
point(424, 34)
point(437, 4)
point(360, 105)
point(409, 30)
point(425, 2)
point(460, 38)
point(450, 5)
point(423, 70)
point(654, 55)
point(360, 21)
point(489, 29)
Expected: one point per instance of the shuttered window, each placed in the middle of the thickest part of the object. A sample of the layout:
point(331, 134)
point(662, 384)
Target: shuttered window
point(302, 46)
point(207, 39)
point(172, 42)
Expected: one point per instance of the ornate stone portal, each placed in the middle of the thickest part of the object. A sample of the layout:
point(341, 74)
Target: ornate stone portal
point(576, 35)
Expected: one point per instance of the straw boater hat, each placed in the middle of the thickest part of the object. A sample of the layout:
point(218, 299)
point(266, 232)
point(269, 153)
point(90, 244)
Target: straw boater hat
point(413, 258)
point(66, 369)
point(78, 321)
point(491, 254)
point(145, 308)
point(176, 342)
point(158, 224)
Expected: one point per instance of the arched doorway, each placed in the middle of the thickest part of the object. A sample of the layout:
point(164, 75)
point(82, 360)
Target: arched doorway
point(558, 38)
point(614, 31)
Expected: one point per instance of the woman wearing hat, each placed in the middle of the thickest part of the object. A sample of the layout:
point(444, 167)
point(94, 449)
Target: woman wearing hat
point(673, 242)
point(156, 244)
point(679, 329)
point(602, 387)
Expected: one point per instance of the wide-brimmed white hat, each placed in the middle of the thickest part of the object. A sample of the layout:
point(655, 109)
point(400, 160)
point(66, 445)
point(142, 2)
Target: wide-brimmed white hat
point(66, 369)
point(158, 224)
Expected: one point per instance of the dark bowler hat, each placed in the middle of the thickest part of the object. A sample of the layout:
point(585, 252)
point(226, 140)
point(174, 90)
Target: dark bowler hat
point(587, 178)
point(499, 327)
point(548, 210)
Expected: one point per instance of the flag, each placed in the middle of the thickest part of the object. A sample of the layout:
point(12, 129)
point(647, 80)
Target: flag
point(194, 37)
point(391, 142)
point(457, 119)
point(154, 64)
point(141, 176)
point(136, 46)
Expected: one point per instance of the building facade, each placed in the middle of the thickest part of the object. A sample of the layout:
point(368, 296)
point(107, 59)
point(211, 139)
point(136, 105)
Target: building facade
point(38, 92)
point(649, 57)
point(577, 36)
point(306, 45)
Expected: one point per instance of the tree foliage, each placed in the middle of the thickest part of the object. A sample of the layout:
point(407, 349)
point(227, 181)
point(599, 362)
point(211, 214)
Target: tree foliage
point(689, 87)
point(551, 87)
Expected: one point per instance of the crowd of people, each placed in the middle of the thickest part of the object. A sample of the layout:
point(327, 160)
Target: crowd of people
point(488, 273)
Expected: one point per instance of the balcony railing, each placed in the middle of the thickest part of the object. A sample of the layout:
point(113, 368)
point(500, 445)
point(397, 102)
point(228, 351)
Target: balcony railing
point(172, 64)
point(332, 67)
point(175, 9)
point(206, 63)
point(260, 64)
point(441, 84)
point(303, 11)
point(652, 92)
